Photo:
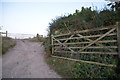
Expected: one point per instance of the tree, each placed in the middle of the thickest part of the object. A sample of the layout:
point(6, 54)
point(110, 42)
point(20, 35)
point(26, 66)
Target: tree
point(114, 4)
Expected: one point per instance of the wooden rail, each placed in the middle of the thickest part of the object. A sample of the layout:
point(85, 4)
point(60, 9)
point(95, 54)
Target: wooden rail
point(89, 62)
point(90, 47)
point(84, 31)
point(77, 43)
point(113, 53)
point(93, 36)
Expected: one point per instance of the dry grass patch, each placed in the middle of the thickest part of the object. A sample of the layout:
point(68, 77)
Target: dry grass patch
point(7, 43)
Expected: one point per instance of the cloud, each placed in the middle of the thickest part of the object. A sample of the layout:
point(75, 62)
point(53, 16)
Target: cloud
point(52, 0)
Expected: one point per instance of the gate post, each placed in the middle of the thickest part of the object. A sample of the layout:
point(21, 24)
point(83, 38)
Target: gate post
point(0, 43)
point(52, 44)
point(6, 34)
point(118, 41)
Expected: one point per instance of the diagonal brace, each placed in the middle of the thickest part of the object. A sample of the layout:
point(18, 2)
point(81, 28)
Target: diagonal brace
point(98, 39)
point(68, 38)
point(63, 44)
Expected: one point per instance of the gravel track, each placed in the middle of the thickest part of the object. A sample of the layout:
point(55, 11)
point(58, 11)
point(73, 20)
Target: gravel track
point(26, 60)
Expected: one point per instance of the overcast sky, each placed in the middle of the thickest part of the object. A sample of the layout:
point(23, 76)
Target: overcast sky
point(33, 16)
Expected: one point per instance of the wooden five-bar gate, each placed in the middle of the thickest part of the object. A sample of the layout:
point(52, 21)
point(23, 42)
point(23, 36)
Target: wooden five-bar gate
point(90, 42)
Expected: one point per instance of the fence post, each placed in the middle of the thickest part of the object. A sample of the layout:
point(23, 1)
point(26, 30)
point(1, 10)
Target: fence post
point(118, 41)
point(52, 44)
point(0, 43)
point(6, 34)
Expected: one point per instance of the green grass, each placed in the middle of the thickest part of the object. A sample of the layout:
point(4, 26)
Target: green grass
point(60, 66)
point(7, 43)
point(72, 69)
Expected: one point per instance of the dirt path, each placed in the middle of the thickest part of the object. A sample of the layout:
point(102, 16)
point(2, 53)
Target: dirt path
point(26, 60)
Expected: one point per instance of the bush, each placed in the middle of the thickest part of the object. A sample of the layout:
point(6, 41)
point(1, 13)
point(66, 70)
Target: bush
point(81, 20)
point(84, 19)
point(47, 46)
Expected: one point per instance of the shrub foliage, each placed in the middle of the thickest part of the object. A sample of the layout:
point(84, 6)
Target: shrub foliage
point(81, 20)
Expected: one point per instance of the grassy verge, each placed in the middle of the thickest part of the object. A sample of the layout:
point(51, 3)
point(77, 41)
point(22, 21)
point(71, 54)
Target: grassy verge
point(7, 43)
point(60, 66)
point(71, 69)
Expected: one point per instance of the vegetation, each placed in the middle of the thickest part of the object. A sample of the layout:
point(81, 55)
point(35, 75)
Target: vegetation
point(81, 20)
point(114, 5)
point(72, 69)
point(38, 38)
point(84, 19)
point(47, 47)
point(7, 43)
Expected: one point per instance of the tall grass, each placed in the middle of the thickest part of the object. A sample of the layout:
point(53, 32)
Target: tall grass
point(7, 43)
